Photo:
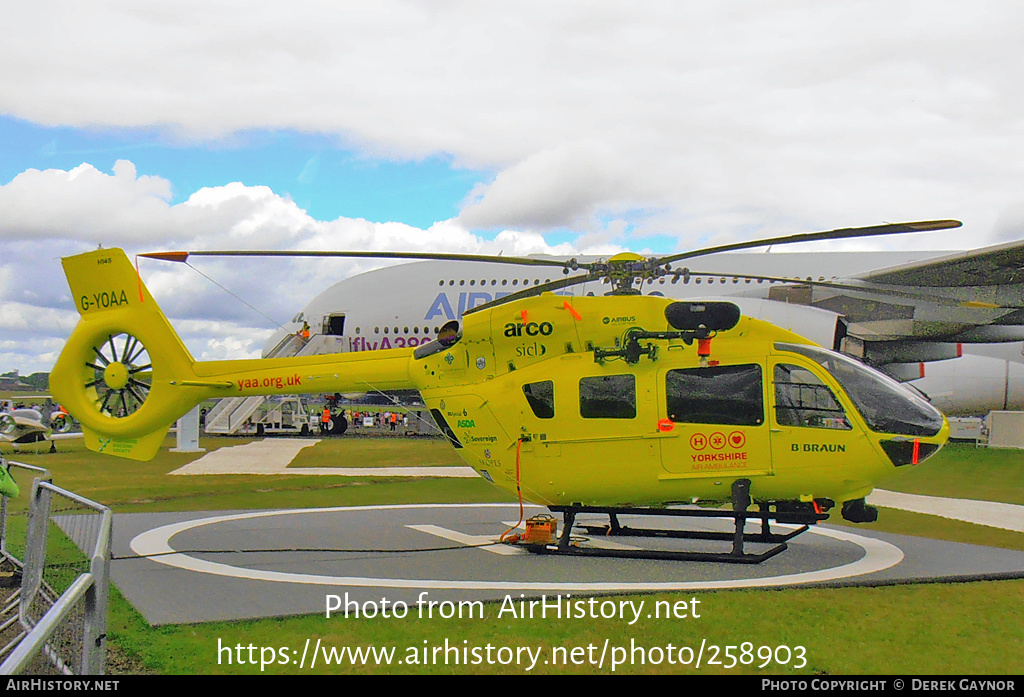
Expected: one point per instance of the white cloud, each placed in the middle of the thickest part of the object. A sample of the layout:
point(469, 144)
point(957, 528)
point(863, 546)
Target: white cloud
point(560, 187)
point(798, 114)
point(41, 204)
point(699, 121)
point(223, 308)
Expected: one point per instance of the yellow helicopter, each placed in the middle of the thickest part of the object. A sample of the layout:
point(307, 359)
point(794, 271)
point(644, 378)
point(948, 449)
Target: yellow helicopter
point(615, 404)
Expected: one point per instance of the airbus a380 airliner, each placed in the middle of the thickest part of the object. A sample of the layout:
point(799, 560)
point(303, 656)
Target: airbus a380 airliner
point(895, 310)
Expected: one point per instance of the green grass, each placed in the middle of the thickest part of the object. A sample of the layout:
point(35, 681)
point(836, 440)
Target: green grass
point(965, 472)
point(128, 486)
point(921, 629)
point(386, 451)
point(916, 629)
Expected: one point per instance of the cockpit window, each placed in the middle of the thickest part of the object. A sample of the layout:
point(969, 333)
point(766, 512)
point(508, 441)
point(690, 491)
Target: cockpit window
point(886, 405)
point(801, 399)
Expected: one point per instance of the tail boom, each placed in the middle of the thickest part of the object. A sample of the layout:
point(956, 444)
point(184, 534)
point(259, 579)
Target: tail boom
point(126, 375)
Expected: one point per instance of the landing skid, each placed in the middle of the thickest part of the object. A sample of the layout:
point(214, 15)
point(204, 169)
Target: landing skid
point(739, 515)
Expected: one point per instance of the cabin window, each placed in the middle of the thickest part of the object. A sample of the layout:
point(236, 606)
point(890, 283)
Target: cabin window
point(608, 397)
point(723, 394)
point(801, 399)
point(541, 398)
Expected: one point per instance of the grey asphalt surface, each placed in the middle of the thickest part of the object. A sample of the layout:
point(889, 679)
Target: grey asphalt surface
point(249, 564)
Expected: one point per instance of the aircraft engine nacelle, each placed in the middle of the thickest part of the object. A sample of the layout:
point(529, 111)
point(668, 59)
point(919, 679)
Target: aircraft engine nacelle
point(885, 353)
point(973, 385)
point(823, 327)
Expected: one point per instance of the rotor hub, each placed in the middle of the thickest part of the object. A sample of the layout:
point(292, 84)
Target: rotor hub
point(115, 375)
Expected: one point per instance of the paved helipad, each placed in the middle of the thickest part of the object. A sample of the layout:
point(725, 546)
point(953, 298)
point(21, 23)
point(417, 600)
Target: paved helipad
point(218, 566)
point(271, 456)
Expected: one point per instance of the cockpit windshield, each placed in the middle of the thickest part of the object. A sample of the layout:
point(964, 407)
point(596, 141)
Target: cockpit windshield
point(886, 405)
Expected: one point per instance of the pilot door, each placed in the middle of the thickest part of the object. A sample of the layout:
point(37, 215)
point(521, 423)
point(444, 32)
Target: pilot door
point(714, 422)
point(811, 428)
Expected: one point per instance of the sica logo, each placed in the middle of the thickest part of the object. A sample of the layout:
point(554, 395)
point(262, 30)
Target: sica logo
point(513, 329)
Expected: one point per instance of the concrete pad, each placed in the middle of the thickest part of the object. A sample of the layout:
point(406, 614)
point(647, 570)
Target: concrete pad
point(267, 456)
point(273, 455)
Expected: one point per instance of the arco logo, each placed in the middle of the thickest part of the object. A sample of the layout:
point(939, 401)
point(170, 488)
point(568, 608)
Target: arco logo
point(514, 329)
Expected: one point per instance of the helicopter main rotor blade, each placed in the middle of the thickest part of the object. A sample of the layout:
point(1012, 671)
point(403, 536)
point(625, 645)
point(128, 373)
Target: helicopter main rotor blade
point(840, 234)
point(869, 289)
point(182, 257)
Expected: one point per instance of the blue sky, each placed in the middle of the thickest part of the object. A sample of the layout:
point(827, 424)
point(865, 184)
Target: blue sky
point(322, 177)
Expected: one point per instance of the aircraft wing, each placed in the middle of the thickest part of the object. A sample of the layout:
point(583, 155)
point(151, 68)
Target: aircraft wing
point(1000, 265)
point(65, 436)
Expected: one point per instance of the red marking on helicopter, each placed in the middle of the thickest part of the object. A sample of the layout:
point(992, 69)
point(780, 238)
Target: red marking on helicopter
point(698, 441)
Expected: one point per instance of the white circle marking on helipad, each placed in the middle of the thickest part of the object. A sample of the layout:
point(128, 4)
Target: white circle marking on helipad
point(878, 555)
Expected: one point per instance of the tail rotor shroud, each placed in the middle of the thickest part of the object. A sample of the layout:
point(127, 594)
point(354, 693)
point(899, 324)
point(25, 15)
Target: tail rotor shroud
point(122, 375)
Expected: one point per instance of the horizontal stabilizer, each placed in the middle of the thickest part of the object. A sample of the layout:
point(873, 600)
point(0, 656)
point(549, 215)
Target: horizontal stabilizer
point(140, 448)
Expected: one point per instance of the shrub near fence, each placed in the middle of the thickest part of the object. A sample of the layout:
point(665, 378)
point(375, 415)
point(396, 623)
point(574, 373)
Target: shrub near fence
point(54, 619)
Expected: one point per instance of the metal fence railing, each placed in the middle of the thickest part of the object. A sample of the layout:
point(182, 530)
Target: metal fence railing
point(54, 620)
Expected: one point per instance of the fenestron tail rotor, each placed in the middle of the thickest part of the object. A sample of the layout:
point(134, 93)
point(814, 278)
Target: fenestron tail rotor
point(122, 375)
